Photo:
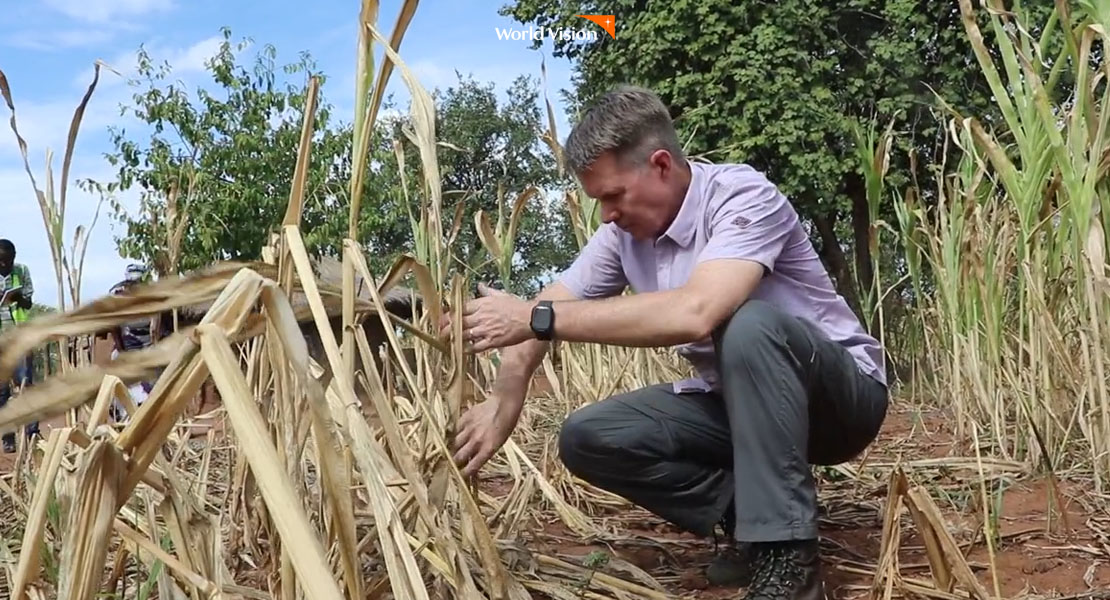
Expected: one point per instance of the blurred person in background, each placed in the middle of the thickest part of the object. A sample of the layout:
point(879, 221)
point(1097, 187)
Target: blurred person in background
point(16, 292)
point(137, 334)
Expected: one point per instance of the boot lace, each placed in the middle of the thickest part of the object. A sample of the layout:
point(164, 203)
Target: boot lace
point(727, 532)
point(778, 571)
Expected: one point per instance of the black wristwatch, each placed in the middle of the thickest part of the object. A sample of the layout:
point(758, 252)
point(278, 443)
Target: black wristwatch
point(543, 320)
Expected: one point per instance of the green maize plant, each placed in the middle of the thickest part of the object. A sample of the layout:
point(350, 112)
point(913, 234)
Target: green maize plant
point(1009, 266)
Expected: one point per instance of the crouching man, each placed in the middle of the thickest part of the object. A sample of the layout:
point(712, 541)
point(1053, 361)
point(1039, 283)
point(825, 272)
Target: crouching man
point(723, 270)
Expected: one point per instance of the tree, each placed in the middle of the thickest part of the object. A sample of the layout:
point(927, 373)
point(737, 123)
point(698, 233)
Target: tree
point(491, 150)
point(781, 85)
point(223, 159)
point(217, 166)
point(500, 153)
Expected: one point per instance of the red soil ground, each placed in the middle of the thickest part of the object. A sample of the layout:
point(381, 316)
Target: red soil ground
point(1032, 559)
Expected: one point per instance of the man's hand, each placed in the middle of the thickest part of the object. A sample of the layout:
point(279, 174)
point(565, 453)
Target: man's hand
point(495, 320)
point(504, 320)
point(14, 297)
point(483, 429)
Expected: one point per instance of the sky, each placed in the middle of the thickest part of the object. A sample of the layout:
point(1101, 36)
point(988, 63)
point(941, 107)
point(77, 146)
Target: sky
point(48, 49)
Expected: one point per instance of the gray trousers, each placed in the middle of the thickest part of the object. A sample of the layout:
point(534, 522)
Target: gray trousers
point(789, 398)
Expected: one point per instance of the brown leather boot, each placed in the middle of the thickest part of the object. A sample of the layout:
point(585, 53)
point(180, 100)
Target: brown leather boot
point(788, 570)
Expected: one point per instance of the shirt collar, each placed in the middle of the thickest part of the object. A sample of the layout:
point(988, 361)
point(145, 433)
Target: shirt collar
point(684, 226)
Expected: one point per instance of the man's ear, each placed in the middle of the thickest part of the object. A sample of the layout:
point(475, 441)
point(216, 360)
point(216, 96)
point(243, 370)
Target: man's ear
point(662, 161)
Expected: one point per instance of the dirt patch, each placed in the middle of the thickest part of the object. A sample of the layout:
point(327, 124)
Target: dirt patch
point(1033, 554)
point(204, 412)
point(8, 459)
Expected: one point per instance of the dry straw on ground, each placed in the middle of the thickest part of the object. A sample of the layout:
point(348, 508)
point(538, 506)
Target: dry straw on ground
point(315, 498)
point(334, 506)
point(336, 478)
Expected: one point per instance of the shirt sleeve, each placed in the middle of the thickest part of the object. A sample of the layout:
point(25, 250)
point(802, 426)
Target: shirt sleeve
point(28, 286)
point(752, 220)
point(597, 272)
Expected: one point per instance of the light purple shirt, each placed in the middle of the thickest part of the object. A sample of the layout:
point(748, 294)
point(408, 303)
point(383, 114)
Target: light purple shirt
point(730, 211)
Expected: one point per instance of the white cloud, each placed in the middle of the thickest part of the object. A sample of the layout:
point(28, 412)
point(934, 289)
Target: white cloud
point(44, 123)
point(431, 74)
point(436, 72)
point(184, 61)
point(192, 59)
point(23, 225)
point(54, 41)
point(106, 11)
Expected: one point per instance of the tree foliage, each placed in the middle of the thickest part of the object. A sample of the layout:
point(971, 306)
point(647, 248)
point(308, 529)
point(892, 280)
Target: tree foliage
point(224, 154)
point(781, 86)
point(495, 154)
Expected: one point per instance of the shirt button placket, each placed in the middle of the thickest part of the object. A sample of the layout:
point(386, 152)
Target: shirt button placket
point(661, 258)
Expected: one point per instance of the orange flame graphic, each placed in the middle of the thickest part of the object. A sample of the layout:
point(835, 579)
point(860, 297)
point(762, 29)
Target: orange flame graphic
point(607, 22)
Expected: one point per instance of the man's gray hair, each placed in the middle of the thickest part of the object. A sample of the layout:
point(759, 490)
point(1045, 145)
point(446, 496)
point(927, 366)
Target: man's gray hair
point(629, 121)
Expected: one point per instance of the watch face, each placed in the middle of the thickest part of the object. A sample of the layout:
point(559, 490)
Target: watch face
point(541, 318)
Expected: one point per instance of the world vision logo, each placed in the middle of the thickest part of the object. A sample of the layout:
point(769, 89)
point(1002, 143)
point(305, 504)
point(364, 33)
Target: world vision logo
point(608, 23)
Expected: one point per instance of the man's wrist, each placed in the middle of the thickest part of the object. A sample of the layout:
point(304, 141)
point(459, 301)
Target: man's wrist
point(516, 371)
point(509, 392)
point(542, 320)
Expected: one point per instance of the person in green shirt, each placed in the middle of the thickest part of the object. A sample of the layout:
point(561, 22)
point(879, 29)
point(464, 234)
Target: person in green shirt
point(16, 292)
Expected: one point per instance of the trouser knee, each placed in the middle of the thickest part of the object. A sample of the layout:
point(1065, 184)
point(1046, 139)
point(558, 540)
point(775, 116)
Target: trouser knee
point(579, 443)
point(748, 331)
point(596, 440)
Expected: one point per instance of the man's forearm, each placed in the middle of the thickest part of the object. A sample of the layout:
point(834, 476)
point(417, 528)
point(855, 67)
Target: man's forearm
point(517, 366)
point(652, 319)
point(519, 362)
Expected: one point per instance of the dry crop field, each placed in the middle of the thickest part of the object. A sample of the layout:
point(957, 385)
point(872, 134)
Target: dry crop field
point(332, 479)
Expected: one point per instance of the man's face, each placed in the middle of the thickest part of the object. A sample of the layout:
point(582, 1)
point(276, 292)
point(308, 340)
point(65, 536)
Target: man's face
point(7, 260)
point(641, 199)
